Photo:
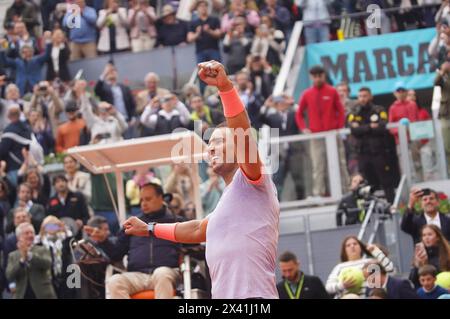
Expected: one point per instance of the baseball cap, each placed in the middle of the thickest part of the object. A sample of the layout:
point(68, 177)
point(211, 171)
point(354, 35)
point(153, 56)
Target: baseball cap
point(71, 106)
point(400, 86)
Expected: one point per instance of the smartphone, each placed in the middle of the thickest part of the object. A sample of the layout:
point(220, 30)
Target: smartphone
point(426, 191)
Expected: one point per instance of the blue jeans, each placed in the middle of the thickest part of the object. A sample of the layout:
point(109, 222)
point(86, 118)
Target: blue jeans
point(317, 34)
point(206, 55)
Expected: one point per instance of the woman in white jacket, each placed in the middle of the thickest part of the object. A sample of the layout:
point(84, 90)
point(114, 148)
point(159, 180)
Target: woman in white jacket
point(355, 254)
point(113, 22)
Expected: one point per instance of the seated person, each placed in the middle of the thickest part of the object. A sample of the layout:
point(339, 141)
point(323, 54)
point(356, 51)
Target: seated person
point(351, 205)
point(427, 279)
point(152, 262)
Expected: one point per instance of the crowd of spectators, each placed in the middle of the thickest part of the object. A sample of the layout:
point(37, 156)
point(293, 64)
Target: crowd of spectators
point(41, 116)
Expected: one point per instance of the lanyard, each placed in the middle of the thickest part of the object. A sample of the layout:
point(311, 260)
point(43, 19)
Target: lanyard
point(297, 292)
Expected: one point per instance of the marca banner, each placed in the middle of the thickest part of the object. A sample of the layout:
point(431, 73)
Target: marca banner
point(378, 62)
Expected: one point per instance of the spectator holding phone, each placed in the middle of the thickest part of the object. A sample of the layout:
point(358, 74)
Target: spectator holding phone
point(433, 249)
point(412, 223)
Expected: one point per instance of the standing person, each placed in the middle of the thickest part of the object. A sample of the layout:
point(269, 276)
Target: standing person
point(83, 39)
point(296, 284)
point(325, 113)
point(246, 217)
point(68, 134)
point(373, 144)
point(141, 20)
point(113, 23)
point(317, 21)
point(170, 30)
point(57, 64)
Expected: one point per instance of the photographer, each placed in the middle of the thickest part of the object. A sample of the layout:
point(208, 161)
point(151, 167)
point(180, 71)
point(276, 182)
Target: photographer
point(106, 127)
point(412, 223)
point(352, 204)
point(374, 145)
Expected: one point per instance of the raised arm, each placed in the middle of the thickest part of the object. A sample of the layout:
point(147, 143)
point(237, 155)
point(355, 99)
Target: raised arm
point(190, 232)
point(213, 73)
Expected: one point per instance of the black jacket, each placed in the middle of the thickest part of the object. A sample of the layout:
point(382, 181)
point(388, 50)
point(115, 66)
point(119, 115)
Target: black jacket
point(397, 288)
point(74, 207)
point(412, 224)
point(10, 150)
point(104, 92)
point(313, 288)
point(145, 254)
point(348, 207)
point(274, 119)
point(63, 72)
point(432, 259)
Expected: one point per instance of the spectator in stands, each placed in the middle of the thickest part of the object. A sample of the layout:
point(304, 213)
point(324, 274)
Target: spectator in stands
point(205, 32)
point(373, 144)
point(41, 130)
point(83, 39)
point(68, 204)
point(278, 113)
point(45, 99)
point(190, 212)
point(201, 112)
point(152, 90)
point(443, 80)
point(141, 20)
point(29, 267)
point(353, 255)
point(433, 249)
point(68, 133)
point(55, 237)
point(260, 75)
point(383, 18)
point(106, 127)
point(343, 90)
point(38, 180)
point(77, 181)
point(11, 146)
point(176, 205)
point(180, 181)
point(269, 44)
point(239, 9)
point(7, 197)
point(351, 205)
point(151, 261)
point(210, 191)
point(316, 20)
point(170, 30)
point(427, 279)
point(252, 101)
point(171, 115)
point(396, 288)
point(28, 67)
point(412, 223)
point(296, 284)
point(57, 64)
point(237, 45)
point(109, 90)
point(279, 14)
point(21, 38)
point(325, 113)
point(12, 97)
point(25, 11)
point(113, 23)
point(37, 211)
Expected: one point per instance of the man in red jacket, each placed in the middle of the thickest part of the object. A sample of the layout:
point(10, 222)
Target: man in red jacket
point(325, 112)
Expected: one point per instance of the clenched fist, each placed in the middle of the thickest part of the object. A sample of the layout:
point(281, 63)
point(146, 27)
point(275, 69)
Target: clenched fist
point(213, 73)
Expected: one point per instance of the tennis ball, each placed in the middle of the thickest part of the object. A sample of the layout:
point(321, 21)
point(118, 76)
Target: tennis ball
point(404, 121)
point(354, 273)
point(443, 279)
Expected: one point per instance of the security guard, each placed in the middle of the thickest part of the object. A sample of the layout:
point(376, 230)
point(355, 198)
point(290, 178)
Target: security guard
point(374, 145)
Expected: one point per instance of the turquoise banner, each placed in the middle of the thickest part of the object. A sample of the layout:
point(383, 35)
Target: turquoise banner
point(378, 62)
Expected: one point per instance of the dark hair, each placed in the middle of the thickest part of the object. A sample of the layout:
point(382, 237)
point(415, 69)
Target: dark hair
point(426, 270)
point(364, 250)
point(157, 188)
point(316, 70)
point(378, 292)
point(97, 221)
point(287, 256)
point(59, 177)
point(365, 88)
point(443, 246)
point(5, 187)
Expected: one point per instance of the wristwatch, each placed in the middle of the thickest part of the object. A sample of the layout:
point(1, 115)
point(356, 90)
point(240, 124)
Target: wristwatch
point(151, 228)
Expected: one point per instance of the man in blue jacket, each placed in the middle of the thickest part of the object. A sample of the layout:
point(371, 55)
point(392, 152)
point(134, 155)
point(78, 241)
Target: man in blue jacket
point(28, 67)
point(151, 261)
point(82, 30)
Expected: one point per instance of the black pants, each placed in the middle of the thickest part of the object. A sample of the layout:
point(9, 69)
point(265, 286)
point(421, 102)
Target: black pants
point(379, 172)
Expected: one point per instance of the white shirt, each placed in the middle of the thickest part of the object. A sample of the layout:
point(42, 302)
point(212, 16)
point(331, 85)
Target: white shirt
point(433, 221)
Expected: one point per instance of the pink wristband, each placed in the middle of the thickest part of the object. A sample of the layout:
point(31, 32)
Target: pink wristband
point(165, 231)
point(232, 104)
